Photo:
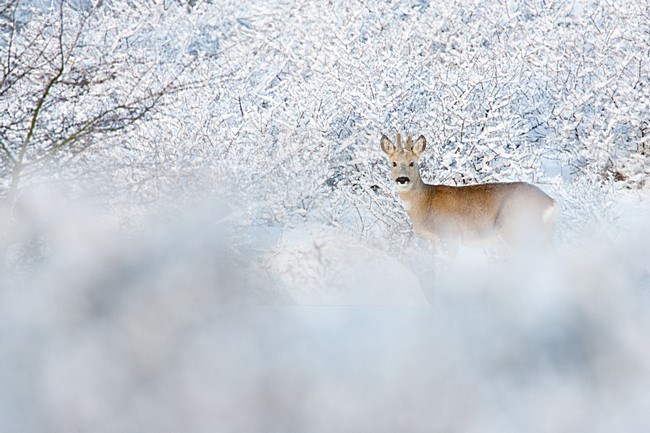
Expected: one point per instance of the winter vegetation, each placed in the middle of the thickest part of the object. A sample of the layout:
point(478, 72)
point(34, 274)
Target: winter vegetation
point(198, 229)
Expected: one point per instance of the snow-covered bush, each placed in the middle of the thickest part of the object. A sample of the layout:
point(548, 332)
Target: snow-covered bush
point(75, 74)
point(298, 95)
point(292, 98)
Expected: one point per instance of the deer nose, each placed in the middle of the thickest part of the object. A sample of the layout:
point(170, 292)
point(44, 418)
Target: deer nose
point(402, 180)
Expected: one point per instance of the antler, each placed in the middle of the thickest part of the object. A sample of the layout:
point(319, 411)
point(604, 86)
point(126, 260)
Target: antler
point(409, 142)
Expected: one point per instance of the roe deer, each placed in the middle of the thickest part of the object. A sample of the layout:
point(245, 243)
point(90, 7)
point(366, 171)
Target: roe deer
point(513, 213)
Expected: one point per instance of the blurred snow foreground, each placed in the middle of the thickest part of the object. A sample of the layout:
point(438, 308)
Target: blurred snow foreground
point(173, 329)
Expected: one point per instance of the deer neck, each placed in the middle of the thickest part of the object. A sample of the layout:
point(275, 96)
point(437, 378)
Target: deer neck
point(413, 195)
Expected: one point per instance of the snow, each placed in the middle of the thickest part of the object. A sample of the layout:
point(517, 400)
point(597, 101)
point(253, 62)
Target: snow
point(239, 259)
point(318, 266)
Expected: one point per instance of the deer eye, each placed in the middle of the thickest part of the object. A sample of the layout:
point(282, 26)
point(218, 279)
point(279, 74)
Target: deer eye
point(411, 164)
point(394, 164)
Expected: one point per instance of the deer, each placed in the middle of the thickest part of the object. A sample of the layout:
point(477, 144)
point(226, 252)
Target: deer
point(510, 215)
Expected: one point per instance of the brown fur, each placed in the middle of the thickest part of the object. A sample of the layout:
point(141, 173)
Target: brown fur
point(514, 213)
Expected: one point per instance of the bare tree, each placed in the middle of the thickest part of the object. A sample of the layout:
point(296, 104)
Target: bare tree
point(67, 77)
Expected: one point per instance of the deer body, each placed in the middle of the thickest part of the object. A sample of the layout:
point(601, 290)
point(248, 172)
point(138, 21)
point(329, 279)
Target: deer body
point(512, 213)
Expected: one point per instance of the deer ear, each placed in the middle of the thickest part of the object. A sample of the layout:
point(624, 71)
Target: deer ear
point(387, 146)
point(419, 145)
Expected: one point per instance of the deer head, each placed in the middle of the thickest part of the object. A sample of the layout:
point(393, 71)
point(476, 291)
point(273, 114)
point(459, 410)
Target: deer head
point(405, 169)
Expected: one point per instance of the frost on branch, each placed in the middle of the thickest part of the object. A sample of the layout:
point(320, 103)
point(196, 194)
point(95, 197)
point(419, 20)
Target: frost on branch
point(291, 100)
point(71, 77)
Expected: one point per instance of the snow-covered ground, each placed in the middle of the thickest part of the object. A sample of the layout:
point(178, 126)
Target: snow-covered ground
point(239, 261)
